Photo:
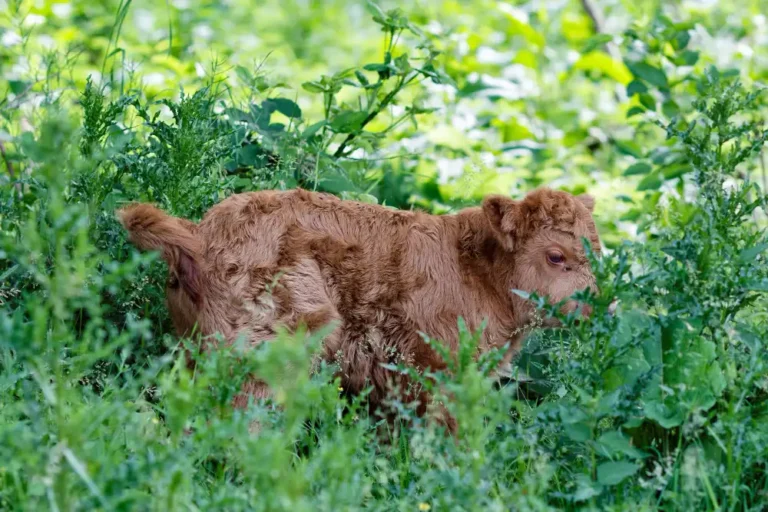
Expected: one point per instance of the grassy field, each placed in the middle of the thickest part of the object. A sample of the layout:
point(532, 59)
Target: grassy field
point(659, 402)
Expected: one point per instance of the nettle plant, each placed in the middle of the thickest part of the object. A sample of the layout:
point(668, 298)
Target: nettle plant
point(668, 379)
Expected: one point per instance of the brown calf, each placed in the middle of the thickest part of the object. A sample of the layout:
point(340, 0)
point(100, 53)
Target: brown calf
point(263, 259)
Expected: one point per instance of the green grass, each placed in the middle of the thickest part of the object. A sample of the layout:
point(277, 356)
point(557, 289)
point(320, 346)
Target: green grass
point(660, 401)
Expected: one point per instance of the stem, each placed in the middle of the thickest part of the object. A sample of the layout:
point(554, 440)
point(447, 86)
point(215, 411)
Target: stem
point(9, 166)
point(596, 17)
point(371, 116)
point(7, 162)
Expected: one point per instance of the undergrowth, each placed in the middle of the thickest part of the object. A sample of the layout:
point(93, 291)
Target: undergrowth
point(659, 401)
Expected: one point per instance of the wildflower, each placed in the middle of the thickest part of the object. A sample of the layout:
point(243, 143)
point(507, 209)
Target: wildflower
point(424, 507)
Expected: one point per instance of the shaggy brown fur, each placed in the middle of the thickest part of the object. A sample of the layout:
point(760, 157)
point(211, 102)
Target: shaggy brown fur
point(258, 260)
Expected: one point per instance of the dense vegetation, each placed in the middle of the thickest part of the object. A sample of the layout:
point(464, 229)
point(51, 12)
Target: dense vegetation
point(659, 402)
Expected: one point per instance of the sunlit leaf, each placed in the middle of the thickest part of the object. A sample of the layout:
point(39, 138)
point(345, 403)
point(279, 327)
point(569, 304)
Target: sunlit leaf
point(519, 25)
point(602, 62)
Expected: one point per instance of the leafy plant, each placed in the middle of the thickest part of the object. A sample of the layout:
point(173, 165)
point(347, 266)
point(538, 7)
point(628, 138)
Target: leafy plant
point(659, 401)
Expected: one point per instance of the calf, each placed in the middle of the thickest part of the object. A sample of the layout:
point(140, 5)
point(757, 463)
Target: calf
point(262, 259)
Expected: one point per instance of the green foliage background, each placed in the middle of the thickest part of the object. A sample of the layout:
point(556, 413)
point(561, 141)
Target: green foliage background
point(659, 402)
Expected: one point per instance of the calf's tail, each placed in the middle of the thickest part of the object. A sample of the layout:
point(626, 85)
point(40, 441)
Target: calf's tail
point(150, 228)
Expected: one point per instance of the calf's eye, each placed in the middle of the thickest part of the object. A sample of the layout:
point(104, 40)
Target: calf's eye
point(555, 258)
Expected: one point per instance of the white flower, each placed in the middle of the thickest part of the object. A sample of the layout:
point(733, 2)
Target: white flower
point(61, 10)
point(10, 38)
point(34, 19)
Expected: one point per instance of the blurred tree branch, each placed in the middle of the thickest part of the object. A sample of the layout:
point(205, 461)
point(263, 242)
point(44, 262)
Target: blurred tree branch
point(596, 16)
point(9, 167)
point(7, 162)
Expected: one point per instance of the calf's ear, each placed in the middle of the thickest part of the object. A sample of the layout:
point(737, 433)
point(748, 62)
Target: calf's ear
point(507, 219)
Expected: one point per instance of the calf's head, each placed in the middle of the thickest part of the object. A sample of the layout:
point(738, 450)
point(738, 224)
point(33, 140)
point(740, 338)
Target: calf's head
point(542, 237)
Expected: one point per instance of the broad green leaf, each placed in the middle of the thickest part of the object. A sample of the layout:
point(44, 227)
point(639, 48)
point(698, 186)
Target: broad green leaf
point(359, 196)
point(17, 86)
point(402, 64)
point(675, 171)
point(636, 87)
point(670, 109)
point(681, 40)
point(615, 443)
point(746, 334)
point(348, 121)
point(689, 58)
point(575, 423)
point(312, 129)
point(512, 130)
point(758, 286)
point(648, 73)
point(628, 147)
point(647, 100)
point(527, 58)
point(666, 417)
point(595, 42)
point(251, 155)
point(577, 28)
point(519, 25)
point(275, 127)
point(650, 182)
point(361, 77)
point(578, 432)
point(585, 488)
point(749, 254)
point(337, 183)
point(375, 10)
point(286, 107)
point(344, 73)
point(666, 156)
point(691, 379)
point(637, 168)
point(634, 332)
point(612, 473)
point(314, 87)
